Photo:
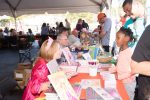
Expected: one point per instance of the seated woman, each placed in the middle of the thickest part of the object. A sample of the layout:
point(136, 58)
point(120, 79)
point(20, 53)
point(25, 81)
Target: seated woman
point(39, 82)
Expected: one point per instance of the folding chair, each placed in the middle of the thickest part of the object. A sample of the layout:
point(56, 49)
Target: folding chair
point(24, 50)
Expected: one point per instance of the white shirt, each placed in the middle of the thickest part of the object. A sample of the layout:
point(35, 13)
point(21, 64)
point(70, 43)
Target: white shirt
point(74, 40)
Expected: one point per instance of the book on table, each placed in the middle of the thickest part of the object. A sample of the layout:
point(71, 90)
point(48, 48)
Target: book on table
point(62, 86)
point(69, 57)
point(95, 93)
point(85, 83)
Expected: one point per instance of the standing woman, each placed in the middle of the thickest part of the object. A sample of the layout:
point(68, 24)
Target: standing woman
point(39, 82)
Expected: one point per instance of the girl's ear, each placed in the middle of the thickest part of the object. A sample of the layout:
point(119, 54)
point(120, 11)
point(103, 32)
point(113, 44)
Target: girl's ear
point(127, 38)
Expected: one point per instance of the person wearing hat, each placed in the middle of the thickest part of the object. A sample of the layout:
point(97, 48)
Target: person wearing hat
point(106, 25)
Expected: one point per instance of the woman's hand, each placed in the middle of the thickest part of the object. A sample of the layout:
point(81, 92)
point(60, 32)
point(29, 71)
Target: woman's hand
point(79, 55)
point(44, 86)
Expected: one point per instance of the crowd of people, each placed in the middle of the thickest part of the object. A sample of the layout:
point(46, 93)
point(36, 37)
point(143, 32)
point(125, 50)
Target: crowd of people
point(133, 60)
point(132, 39)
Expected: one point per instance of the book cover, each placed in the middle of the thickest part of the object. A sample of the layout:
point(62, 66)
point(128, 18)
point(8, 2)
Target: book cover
point(93, 51)
point(92, 95)
point(114, 93)
point(69, 57)
point(77, 88)
point(87, 56)
point(105, 95)
point(85, 83)
point(62, 86)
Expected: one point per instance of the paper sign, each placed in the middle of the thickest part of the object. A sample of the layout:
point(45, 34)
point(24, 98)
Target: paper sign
point(108, 76)
point(110, 80)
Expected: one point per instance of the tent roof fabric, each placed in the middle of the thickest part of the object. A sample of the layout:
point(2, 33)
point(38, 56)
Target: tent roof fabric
point(50, 6)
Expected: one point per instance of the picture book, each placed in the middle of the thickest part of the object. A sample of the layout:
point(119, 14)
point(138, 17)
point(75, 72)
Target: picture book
point(105, 95)
point(62, 86)
point(77, 88)
point(91, 94)
point(114, 93)
point(85, 83)
point(87, 56)
point(69, 57)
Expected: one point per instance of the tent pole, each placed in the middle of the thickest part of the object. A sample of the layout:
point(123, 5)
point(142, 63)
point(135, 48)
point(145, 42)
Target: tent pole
point(13, 10)
point(15, 20)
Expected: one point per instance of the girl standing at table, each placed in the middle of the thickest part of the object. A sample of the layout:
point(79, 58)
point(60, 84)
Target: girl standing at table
point(39, 82)
point(123, 68)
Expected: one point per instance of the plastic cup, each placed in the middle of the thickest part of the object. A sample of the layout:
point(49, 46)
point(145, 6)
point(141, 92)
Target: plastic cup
point(92, 70)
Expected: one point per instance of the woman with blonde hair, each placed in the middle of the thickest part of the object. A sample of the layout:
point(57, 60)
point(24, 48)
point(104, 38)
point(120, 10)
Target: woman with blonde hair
point(39, 82)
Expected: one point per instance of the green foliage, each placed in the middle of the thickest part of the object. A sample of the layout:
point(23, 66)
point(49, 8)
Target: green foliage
point(75, 16)
point(142, 1)
point(4, 22)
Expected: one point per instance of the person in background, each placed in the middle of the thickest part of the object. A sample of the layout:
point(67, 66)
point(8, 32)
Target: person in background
point(63, 31)
point(63, 40)
point(13, 32)
point(85, 25)
point(123, 20)
point(74, 41)
point(141, 65)
point(61, 26)
point(21, 33)
point(48, 27)
point(1, 33)
point(6, 30)
point(67, 25)
point(44, 33)
point(79, 26)
point(97, 30)
point(53, 31)
point(39, 82)
point(135, 10)
point(30, 32)
point(85, 39)
point(57, 28)
point(44, 29)
point(123, 68)
point(105, 32)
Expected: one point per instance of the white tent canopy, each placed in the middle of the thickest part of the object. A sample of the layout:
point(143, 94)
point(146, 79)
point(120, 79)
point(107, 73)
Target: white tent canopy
point(19, 7)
